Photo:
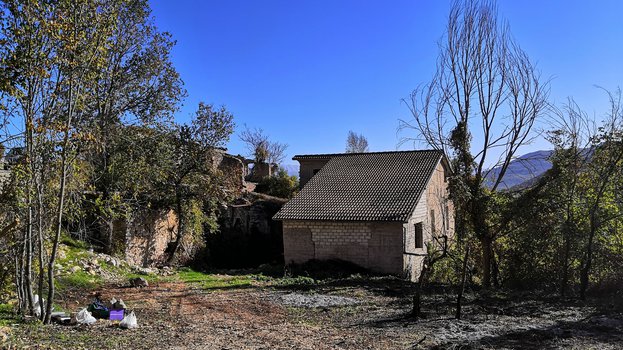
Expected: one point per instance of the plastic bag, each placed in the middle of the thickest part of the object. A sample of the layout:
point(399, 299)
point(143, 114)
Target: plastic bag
point(119, 304)
point(129, 321)
point(85, 317)
point(98, 310)
point(37, 305)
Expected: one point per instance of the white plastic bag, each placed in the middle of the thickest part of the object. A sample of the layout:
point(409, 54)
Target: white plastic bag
point(129, 321)
point(37, 305)
point(85, 317)
point(119, 305)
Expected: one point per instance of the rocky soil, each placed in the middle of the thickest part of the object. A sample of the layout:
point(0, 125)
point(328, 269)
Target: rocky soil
point(356, 313)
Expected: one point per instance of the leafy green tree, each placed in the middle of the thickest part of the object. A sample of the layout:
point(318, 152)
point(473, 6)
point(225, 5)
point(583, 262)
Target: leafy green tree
point(280, 185)
point(137, 84)
point(191, 175)
point(71, 70)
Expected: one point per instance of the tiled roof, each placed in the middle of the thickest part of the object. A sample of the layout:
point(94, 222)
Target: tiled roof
point(382, 186)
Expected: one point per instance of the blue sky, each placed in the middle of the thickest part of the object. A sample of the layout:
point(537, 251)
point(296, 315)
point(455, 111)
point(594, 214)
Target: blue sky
point(307, 72)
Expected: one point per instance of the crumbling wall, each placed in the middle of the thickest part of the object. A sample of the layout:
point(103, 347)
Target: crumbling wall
point(233, 167)
point(148, 235)
point(260, 171)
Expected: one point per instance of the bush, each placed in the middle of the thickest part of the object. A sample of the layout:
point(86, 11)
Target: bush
point(281, 185)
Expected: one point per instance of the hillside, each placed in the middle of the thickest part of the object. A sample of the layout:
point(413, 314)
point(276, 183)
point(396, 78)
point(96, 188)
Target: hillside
point(522, 170)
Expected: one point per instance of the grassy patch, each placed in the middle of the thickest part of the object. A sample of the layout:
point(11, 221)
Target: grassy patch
point(211, 281)
point(74, 243)
point(78, 280)
point(7, 317)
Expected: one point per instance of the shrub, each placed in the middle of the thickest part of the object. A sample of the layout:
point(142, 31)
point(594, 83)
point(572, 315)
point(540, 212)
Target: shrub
point(281, 185)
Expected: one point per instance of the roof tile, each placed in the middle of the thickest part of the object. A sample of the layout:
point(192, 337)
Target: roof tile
point(383, 186)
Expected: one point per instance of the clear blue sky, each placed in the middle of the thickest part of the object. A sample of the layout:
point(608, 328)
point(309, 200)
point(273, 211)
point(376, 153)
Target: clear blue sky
point(309, 71)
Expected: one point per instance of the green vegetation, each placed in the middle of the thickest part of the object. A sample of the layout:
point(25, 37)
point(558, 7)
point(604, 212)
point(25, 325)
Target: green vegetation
point(78, 279)
point(224, 281)
point(211, 281)
point(281, 185)
point(7, 315)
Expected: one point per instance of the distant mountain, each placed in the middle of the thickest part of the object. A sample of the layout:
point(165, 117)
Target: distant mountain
point(291, 169)
point(522, 170)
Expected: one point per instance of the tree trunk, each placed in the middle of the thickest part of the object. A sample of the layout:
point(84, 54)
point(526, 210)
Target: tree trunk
point(41, 246)
point(18, 283)
point(28, 249)
point(417, 297)
point(459, 296)
point(588, 262)
point(180, 230)
point(59, 208)
point(495, 270)
point(564, 276)
point(485, 244)
point(107, 225)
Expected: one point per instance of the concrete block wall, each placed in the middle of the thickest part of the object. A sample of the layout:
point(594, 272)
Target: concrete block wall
point(435, 198)
point(376, 246)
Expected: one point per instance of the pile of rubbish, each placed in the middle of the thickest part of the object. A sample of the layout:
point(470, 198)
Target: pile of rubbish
point(115, 311)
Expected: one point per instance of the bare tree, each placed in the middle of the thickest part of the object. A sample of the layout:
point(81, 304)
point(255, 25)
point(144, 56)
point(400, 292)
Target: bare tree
point(485, 85)
point(356, 143)
point(260, 146)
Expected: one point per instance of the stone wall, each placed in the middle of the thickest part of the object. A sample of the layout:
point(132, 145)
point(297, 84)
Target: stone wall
point(233, 167)
point(148, 236)
point(374, 245)
point(260, 171)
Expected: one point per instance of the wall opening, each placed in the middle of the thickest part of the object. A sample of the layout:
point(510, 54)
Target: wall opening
point(419, 235)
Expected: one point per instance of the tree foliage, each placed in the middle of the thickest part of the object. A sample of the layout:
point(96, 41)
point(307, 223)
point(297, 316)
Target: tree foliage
point(89, 91)
point(280, 185)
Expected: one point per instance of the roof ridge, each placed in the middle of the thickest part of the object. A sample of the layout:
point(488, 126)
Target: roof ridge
point(318, 155)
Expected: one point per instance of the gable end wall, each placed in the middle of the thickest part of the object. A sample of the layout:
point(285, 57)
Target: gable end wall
point(307, 167)
point(434, 197)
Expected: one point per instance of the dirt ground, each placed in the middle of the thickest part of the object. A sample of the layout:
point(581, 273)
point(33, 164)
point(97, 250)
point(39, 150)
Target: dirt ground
point(372, 314)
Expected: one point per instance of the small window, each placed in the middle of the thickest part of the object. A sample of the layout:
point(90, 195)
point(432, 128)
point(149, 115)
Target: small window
point(447, 217)
point(433, 222)
point(419, 236)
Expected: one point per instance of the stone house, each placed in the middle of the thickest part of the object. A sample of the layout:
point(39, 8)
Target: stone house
point(379, 210)
point(145, 237)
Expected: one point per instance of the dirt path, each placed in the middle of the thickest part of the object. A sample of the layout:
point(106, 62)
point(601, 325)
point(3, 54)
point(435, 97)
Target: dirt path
point(183, 316)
